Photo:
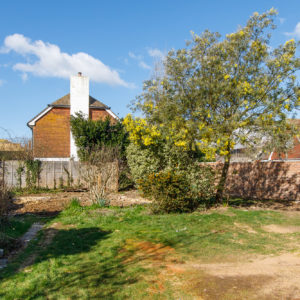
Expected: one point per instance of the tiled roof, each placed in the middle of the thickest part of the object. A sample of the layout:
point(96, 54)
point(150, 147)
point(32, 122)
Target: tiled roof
point(65, 101)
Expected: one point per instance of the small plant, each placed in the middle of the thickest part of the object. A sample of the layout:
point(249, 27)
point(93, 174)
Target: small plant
point(103, 202)
point(69, 177)
point(33, 173)
point(20, 171)
point(75, 203)
point(61, 182)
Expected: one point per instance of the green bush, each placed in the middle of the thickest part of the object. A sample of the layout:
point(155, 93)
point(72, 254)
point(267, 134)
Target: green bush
point(179, 190)
point(89, 134)
point(142, 161)
point(170, 191)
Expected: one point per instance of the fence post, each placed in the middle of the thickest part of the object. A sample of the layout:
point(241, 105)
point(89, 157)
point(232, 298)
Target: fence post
point(54, 179)
point(46, 165)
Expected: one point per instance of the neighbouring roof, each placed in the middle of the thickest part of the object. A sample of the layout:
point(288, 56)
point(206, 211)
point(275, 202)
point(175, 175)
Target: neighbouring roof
point(6, 145)
point(65, 102)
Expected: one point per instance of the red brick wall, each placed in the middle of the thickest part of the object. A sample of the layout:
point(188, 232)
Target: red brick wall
point(264, 180)
point(97, 114)
point(51, 134)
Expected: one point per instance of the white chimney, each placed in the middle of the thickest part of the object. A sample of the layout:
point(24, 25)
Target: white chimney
point(79, 102)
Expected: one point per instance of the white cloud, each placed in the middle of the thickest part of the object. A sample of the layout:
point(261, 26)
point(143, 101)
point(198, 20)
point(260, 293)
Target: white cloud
point(296, 31)
point(1, 82)
point(156, 53)
point(134, 56)
point(51, 62)
point(143, 65)
point(140, 60)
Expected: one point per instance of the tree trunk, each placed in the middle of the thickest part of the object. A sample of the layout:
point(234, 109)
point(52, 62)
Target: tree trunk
point(221, 185)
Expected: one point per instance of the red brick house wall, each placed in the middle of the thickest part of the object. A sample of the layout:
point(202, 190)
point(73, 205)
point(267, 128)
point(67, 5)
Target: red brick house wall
point(51, 133)
point(99, 114)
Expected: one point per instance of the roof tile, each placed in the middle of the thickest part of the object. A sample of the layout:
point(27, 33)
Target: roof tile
point(65, 101)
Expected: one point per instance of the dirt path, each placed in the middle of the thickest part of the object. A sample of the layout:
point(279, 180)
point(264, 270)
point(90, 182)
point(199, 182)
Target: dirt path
point(260, 277)
point(275, 277)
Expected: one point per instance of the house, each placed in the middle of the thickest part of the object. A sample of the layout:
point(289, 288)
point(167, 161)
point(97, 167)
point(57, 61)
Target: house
point(51, 135)
point(294, 152)
point(240, 153)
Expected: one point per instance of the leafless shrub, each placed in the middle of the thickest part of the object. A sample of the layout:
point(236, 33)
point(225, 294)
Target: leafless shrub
point(100, 173)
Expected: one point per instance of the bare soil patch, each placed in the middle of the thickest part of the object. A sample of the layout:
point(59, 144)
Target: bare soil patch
point(52, 203)
point(281, 229)
point(272, 277)
point(283, 270)
point(127, 198)
point(245, 227)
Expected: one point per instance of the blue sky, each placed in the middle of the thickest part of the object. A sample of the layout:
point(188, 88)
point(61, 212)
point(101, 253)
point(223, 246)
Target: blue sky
point(117, 42)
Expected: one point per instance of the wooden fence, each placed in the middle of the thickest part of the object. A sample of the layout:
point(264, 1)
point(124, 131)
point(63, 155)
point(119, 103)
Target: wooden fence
point(53, 174)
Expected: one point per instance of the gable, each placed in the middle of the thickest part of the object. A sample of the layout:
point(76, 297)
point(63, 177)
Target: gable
point(64, 102)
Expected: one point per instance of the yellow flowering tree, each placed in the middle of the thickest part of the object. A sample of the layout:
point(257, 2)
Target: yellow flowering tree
point(217, 92)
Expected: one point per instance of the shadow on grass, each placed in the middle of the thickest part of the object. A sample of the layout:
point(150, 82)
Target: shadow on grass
point(99, 272)
point(72, 241)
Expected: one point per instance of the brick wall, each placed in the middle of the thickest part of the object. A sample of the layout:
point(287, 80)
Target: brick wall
point(99, 114)
point(51, 134)
point(265, 180)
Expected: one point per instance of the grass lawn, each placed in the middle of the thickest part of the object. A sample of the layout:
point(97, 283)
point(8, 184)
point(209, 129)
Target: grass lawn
point(126, 253)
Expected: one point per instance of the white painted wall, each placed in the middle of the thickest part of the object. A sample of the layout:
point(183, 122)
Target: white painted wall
point(79, 102)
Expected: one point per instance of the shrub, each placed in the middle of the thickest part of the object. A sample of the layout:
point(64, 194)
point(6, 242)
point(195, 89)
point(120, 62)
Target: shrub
point(5, 196)
point(89, 134)
point(142, 161)
point(169, 191)
point(92, 136)
point(201, 178)
point(179, 189)
point(100, 172)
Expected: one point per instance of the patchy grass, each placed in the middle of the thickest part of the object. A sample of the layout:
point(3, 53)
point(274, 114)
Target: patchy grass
point(121, 253)
point(12, 228)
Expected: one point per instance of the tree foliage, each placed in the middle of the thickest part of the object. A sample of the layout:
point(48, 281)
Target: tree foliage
point(218, 92)
point(89, 135)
